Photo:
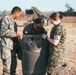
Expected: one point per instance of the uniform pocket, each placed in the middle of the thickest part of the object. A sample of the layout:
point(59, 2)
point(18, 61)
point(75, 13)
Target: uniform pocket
point(5, 53)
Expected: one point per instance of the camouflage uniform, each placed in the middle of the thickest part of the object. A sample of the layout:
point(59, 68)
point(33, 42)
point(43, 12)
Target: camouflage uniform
point(30, 30)
point(55, 62)
point(8, 54)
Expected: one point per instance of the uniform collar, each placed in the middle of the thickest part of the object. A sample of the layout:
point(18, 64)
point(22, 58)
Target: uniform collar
point(11, 18)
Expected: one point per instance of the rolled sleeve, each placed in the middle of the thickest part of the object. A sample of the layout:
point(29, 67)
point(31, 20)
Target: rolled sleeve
point(58, 31)
point(57, 37)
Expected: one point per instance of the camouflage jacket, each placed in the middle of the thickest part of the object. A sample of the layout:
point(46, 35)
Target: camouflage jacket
point(8, 30)
point(60, 31)
point(30, 30)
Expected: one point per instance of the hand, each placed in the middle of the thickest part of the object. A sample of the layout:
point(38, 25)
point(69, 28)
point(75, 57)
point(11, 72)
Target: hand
point(44, 36)
point(20, 36)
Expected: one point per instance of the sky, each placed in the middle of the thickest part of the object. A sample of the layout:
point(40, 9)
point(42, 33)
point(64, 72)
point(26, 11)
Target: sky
point(42, 5)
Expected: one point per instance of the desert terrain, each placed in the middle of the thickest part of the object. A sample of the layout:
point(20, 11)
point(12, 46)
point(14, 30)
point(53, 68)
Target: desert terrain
point(70, 53)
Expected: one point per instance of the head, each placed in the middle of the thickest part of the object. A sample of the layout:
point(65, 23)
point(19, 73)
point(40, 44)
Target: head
point(38, 22)
point(16, 12)
point(55, 18)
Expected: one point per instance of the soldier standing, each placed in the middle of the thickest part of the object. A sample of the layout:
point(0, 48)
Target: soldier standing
point(8, 32)
point(56, 45)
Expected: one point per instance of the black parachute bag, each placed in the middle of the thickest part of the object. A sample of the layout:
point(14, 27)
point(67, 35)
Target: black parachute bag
point(17, 45)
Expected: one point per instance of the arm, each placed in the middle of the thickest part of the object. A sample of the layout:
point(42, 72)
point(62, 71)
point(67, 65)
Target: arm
point(5, 31)
point(56, 36)
point(52, 41)
point(26, 30)
point(8, 32)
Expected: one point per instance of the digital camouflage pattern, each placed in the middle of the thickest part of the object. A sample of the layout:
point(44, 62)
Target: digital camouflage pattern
point(55, 62)
point(8, 55)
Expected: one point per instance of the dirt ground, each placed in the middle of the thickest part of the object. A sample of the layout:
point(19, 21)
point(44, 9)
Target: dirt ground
point(70, 54)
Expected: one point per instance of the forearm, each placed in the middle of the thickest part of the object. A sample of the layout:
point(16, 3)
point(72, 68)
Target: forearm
point(7, 33)
point(52, 41)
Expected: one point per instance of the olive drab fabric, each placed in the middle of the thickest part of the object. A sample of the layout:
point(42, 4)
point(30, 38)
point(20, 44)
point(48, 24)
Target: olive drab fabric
point(30, 30)
point(55, 62)
point(33, 46)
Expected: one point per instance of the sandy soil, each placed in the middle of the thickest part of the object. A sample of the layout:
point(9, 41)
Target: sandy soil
point(70, 54)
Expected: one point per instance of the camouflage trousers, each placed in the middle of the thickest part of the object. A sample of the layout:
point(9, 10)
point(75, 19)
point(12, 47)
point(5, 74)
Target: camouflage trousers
point(9, 61)
point(55, 62)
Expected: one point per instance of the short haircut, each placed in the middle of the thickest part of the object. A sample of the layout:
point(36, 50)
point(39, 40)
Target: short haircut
point(39, 21)
point(16, 9)
point(56, 16)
